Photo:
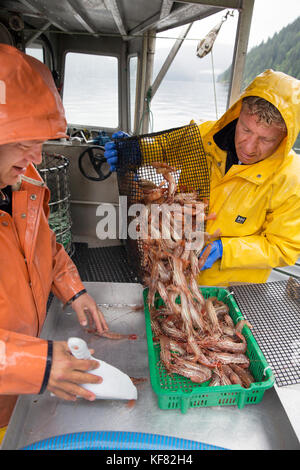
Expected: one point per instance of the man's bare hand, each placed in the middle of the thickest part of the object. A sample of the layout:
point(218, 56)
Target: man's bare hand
point(68, 373)
point(89, 314)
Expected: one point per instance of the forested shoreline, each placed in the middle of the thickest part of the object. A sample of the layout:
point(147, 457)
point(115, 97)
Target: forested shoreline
point(281, 52)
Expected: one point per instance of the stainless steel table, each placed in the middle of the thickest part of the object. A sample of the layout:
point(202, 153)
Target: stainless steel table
point(260, 426)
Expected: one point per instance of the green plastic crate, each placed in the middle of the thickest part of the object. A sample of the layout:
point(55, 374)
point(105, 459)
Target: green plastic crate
point(175, 391)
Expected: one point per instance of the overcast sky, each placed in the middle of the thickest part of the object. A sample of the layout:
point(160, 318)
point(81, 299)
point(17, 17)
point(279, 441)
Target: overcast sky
point(269, 16)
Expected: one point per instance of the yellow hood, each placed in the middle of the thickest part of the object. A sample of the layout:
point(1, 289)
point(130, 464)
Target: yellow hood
point(283, 91)
point(257, 206)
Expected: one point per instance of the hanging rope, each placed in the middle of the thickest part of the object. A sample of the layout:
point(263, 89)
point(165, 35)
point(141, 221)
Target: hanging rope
point(214, 82)
point(205, 46)
point(147, 110)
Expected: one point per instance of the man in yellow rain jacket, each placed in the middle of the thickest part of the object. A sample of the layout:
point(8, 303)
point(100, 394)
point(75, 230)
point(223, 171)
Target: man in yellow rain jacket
point(257, 202)
point(254, 182)
point(32, 263)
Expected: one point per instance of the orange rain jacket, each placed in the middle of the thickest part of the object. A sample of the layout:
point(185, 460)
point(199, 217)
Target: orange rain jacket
point(32, 263)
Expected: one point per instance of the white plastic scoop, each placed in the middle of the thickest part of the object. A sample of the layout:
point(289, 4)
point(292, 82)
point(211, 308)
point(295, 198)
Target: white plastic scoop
point(115, 386)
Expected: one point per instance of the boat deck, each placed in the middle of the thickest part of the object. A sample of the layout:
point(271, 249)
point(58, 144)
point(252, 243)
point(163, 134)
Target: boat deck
point(109, 264)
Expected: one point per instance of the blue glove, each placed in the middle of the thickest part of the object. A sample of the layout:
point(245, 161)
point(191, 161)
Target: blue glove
point(216, 253)
point(110, 151)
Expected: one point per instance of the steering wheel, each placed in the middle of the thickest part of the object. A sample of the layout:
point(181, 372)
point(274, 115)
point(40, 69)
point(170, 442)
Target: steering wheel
point(97, 159)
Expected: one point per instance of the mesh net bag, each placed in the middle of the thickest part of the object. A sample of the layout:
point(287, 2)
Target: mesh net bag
point(54, 171)
point(180, 148)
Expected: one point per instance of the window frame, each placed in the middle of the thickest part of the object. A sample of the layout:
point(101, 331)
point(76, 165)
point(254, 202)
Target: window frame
point(96, 53)
point(38, 45)
point(130, 117)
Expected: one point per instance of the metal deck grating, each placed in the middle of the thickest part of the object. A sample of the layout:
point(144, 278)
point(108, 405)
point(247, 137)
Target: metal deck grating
point(274, 312)
point(103, 264)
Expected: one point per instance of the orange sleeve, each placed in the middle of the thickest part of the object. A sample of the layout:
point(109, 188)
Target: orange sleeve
point(66, 279)
point(23, 361)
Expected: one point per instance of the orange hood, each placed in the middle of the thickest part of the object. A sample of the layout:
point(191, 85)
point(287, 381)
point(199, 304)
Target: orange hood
point(30, 105)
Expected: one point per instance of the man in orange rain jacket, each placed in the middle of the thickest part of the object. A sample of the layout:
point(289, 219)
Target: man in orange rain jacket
point(31, 262)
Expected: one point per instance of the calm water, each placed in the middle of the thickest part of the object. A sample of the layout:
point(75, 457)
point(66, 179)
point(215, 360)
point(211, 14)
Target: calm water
point(174, 104)
point(177, 102)
point(91, 98)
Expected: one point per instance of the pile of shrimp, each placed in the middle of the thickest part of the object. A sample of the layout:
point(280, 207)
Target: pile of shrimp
point(197, 336)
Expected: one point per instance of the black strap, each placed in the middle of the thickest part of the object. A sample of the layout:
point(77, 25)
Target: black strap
point(83, 291)
point(48, 367)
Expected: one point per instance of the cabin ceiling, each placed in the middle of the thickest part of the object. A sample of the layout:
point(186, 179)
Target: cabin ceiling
point(125, 18)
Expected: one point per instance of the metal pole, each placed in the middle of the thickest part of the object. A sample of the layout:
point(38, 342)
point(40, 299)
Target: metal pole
point(172, 54)
point(38, 33)
point(151, 38)
point(240, 51)
point(140, 84)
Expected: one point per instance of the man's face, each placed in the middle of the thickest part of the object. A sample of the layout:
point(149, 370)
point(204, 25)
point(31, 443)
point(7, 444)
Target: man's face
point(15, 158)
point(255, 141)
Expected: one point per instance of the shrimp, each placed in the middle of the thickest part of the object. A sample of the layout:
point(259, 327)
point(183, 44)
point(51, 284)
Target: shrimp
point(185, 314)
point(244, 374)
point(196, 292)
point(170, 330)
point(163, 273)
point(177, 347)
point(204, 256)
point(212, 315)
point(153, 195)
point(153, 281)
point(225, 344)
point(165, 170)
point(196, 372)
point(240, 325)
point(155, 326)
point(197, 337)
point(194, 263)
point(163, 165)
point(196, 317)
point(178, 275)
point(165, 354)
point(172, 185)
point(228, 358)
point(215, 380)
point(113, 335)
point(232, 376)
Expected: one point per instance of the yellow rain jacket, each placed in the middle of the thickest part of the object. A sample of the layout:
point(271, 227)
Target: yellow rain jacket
point(257, 206)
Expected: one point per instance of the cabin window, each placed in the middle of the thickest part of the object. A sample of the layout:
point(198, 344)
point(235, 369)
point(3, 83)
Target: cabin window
point(36, 51)
point(132, 89)
point(90, 94)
